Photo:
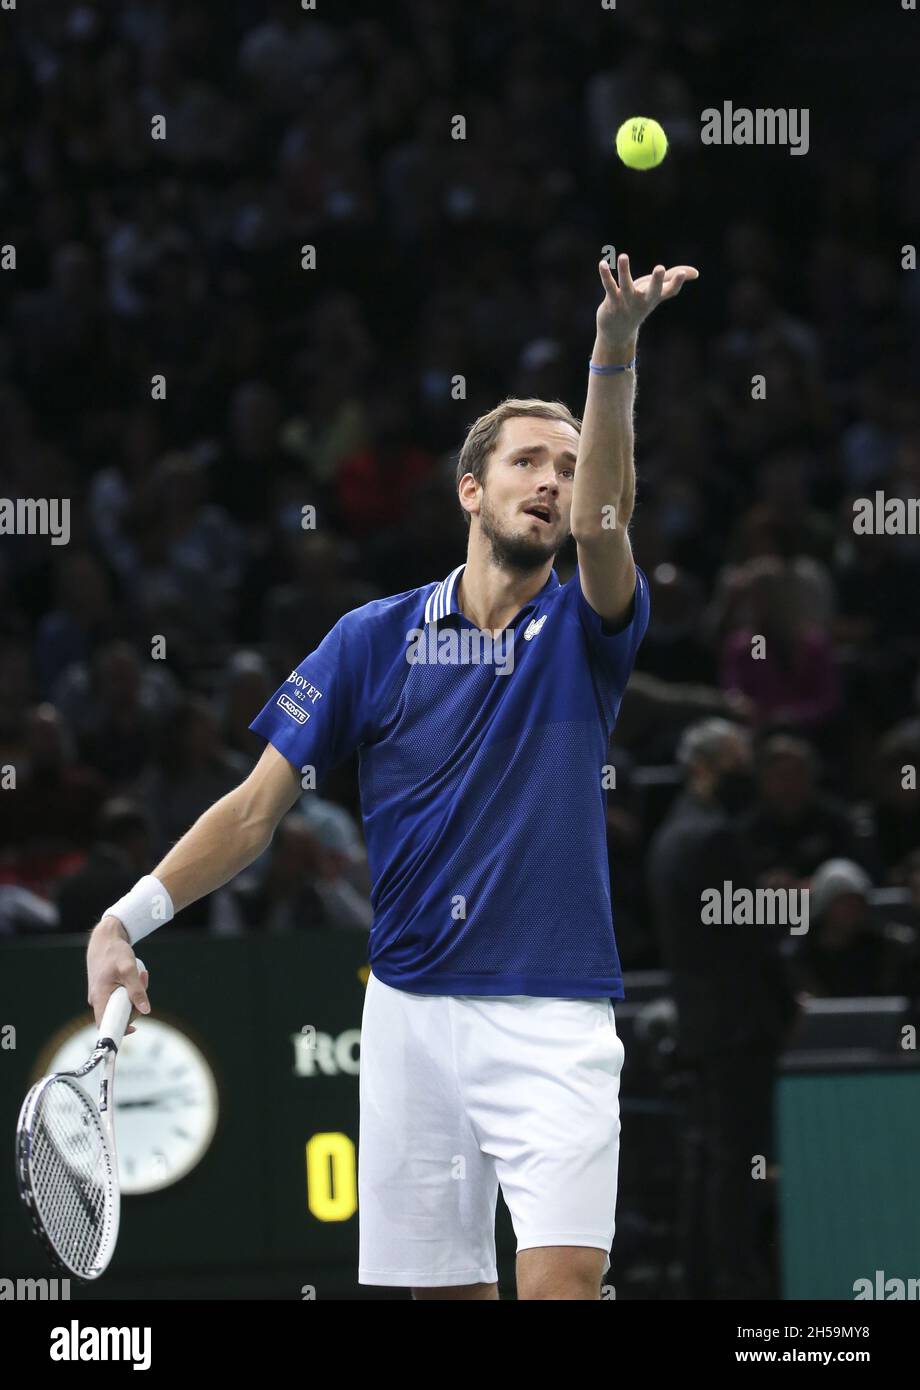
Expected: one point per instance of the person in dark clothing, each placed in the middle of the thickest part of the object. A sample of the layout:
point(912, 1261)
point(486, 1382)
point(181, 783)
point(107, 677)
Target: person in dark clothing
point(852, 950)
point(123, 846)
point(285, 897)
point(734, 1010)
point(57, 797)
point(897, 825)
point(793, 827)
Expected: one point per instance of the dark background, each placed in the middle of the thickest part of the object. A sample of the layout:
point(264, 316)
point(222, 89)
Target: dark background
point(331, 387)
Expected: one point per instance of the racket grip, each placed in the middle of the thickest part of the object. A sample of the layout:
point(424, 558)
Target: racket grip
point(117, 1013)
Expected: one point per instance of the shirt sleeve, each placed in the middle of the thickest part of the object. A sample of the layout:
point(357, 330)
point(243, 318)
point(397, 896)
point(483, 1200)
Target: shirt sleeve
point(318, 717)
point(614, 651)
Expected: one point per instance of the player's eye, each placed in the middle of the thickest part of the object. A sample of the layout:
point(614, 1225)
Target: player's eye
point(569, 471)
point(526, 459)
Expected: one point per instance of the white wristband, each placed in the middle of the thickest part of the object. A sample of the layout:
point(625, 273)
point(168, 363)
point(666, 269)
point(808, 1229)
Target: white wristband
point(146, 907)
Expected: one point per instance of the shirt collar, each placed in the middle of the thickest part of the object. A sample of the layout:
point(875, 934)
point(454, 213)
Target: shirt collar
point(443, 598)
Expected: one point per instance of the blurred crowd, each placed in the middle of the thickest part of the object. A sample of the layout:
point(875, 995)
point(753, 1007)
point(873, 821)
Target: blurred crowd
point(133, 658)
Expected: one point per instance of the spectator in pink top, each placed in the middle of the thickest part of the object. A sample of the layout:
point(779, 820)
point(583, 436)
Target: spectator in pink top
point(789, 675)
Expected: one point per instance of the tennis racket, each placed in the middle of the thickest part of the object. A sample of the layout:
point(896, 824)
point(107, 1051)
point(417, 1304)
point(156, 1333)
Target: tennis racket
point(66, 1165)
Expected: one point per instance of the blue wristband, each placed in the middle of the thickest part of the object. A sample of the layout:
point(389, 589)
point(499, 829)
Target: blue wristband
point(609, 371)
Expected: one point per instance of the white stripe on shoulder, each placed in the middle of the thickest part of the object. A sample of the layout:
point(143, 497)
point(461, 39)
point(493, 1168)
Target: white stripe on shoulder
point(449, 590)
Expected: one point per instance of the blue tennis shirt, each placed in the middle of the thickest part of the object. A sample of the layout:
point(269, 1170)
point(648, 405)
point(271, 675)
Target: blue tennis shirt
point(481, 775)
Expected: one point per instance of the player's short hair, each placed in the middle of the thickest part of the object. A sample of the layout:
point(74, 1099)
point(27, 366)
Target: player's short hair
point(483, 434)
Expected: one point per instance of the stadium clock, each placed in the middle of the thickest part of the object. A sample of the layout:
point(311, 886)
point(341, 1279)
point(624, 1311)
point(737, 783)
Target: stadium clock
point(166, 1101)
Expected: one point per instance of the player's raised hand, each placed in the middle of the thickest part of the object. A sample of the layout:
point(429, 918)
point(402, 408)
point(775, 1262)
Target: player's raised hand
point(626, 304)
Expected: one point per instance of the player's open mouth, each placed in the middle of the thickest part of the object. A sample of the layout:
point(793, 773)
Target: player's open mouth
point(540, 513)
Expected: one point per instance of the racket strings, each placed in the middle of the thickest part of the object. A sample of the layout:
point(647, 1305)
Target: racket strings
point(71, 1175)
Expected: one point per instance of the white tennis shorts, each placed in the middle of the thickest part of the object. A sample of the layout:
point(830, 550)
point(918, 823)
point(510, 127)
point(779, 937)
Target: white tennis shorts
point(461, 1094)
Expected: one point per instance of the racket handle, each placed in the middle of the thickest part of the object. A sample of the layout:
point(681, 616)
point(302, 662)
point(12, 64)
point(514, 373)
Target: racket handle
point(117, 1013)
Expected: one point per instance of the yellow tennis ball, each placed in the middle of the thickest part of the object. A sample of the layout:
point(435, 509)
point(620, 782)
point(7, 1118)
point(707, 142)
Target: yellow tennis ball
point(641, 142)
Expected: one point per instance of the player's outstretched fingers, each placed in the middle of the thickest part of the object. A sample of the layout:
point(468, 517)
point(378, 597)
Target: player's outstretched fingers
point(607, 280)
point(677, 278)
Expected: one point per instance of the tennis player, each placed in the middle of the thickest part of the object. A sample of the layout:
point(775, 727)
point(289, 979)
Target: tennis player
point(481, 708)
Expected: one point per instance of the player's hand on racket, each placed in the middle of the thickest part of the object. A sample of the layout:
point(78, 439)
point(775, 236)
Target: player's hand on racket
point(626, 304)
point(110, 962)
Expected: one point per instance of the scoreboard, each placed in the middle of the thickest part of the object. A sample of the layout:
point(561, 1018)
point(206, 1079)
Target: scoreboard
point(237, 1128)
point(236, 1112)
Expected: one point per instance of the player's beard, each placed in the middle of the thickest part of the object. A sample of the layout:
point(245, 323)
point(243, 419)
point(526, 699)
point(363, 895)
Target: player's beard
point(517, 554)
